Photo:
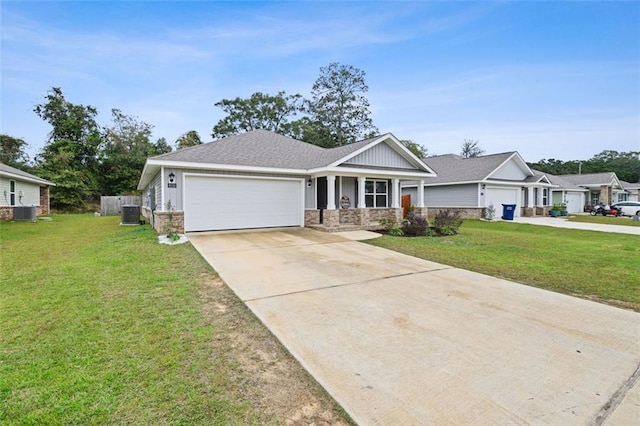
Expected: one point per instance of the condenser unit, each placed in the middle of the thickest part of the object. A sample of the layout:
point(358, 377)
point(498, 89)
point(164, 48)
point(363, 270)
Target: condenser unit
point(130, 215)
point(24, 213)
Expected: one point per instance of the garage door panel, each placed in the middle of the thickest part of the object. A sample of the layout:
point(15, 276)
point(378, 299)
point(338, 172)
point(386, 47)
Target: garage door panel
point(218, 203)
point(500, 196)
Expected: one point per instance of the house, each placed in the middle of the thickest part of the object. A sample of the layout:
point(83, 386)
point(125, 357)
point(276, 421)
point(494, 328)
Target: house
point(603, 188)
point(18, 188)
point(470, 185)
point(565, 192)
point(262, 179)
point(632, 191)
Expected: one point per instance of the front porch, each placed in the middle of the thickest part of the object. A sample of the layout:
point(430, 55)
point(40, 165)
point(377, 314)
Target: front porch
point(347, 203)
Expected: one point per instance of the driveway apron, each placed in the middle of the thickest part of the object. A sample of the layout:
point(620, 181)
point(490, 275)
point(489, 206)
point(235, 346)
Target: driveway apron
point(398, 340)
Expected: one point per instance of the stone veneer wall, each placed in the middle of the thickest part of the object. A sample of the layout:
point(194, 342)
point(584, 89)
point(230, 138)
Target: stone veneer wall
point(6, 213)
point(44, 207)
point(163, 224)
point(349, 216)
point(385, 213)
point(311, 217)
point(465, 212)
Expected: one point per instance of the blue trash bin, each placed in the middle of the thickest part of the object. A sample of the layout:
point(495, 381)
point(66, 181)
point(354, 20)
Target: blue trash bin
point(508, 210)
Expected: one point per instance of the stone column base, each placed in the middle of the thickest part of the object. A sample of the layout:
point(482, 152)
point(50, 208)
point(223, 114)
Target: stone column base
point(362, 217)
point(331, 219)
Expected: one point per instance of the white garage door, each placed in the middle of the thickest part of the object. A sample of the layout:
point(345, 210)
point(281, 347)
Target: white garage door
point(217, 203)
point(574, 202)
point(500, 196)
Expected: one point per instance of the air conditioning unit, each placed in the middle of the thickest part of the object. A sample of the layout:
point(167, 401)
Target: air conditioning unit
point(24, 213)
point(130, 215)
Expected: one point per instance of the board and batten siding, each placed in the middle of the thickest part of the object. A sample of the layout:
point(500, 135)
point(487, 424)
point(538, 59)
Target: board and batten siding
point(30, 193)
point(509, 171)
point(381, 155)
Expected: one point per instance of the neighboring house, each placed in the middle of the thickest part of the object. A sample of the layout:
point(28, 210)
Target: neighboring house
point(469, 185)
point(262, 179)
point(603, 188)
point(632, 191)
point(565, 192)
point(18, 188)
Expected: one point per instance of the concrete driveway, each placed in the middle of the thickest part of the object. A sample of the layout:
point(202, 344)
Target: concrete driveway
point(559, 222)
point(401, 341)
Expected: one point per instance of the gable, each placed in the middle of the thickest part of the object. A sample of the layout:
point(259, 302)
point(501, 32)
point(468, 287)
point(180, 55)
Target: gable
point(380, 155)
point(510, 170)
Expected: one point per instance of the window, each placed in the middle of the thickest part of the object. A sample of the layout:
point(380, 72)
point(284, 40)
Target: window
point(376, 193)
point(12, 192)
point(545, 196)
point(622, 196)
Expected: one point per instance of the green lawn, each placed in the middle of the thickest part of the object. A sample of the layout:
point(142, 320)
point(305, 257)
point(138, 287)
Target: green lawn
point(607, 220)
point(100, 324)
point(595, 265)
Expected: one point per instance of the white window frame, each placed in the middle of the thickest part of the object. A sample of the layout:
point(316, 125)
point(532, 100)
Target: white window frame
point(375, 194)
point(12, 192)
point(545, 196)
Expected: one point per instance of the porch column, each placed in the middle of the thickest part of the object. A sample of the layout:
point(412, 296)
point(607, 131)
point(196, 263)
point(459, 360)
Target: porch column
point(331, 192)
point(361, 200)
point(395, 193)
point(530, 200)
point(420, 201)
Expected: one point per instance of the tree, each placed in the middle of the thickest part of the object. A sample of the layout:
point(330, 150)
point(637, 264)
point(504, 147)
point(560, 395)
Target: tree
point(127, 144)
point(191, 138)
point(69, 158)
point(260, 111)
point(417, 149)
point(626, 165)
point(471, 148)
point(12, 152)
point(162, 146)
point(338, 111)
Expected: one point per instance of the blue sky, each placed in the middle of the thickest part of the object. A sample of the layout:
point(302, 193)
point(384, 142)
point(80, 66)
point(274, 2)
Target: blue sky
point(548, 79)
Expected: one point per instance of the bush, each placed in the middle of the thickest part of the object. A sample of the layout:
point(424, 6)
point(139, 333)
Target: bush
point(415, 226)
point(447, 222)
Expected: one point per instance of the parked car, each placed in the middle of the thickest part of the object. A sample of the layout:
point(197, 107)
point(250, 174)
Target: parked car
point(628, 208)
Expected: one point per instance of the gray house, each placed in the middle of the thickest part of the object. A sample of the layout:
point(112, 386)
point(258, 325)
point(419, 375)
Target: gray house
point(565, 192)
point(19, 188)
point(469, 185)
point(262, 179)
point(603, 188)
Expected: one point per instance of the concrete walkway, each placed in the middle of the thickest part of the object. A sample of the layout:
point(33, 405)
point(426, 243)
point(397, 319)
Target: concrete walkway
point(398, 340)
point(563, 223)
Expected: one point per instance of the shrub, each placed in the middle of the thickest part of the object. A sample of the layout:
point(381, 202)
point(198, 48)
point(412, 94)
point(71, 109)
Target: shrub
point(392, 225)
point(489, 212)
point(447, 222)
point(415, 226)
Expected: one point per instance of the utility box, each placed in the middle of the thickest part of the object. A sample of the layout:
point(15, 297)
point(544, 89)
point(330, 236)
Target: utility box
point(130, 215)
point(24, 213)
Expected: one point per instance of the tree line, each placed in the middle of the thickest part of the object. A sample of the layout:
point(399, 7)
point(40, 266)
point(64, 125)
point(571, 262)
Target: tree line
point(626, 165)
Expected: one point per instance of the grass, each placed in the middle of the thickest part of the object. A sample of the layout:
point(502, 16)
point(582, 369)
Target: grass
point(594, 265)
point(100, 324)
point(607, 220)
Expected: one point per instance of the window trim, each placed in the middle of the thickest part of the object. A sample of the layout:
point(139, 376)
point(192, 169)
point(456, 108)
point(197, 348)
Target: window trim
point(374, 195)
point(12, 192)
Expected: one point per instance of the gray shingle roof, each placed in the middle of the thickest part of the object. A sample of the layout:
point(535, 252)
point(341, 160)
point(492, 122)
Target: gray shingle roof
point(562, 183)
point(261, 148)
point(5, 169)
point(452, 168)
point(590, 178)
point(630, 186)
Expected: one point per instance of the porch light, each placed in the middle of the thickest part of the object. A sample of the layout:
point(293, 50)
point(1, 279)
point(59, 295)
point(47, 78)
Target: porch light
point(172, 177)
point(309, 183)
